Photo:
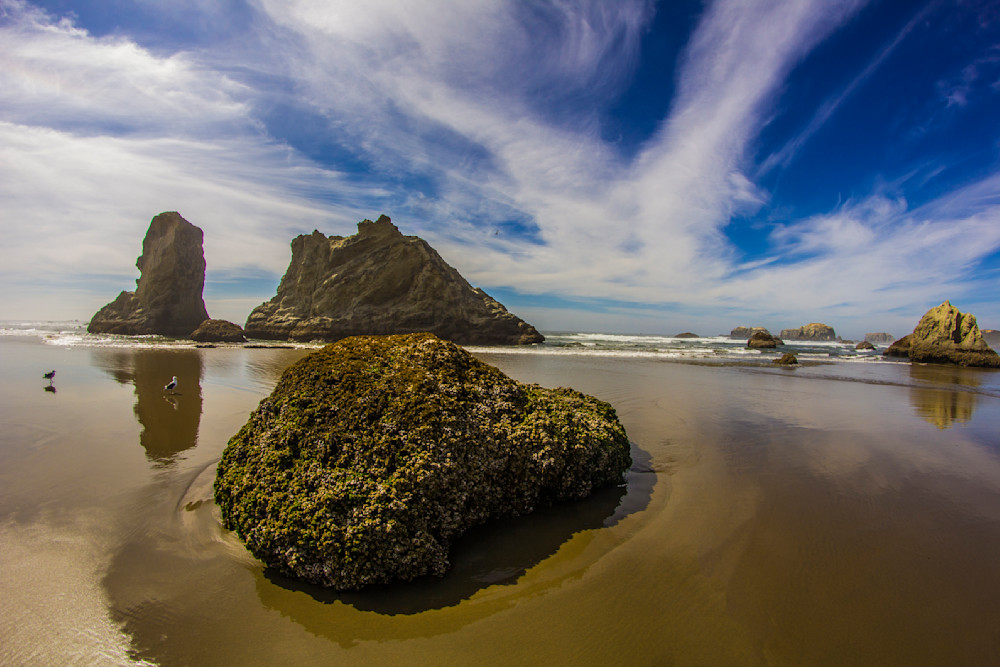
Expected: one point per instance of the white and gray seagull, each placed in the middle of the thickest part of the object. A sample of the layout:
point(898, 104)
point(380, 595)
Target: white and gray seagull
point(171, 385)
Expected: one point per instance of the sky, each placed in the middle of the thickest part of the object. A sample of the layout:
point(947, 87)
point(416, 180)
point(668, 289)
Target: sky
point(612, 166)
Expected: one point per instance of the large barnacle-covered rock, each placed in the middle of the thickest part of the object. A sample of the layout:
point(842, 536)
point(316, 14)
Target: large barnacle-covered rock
point(372, 455)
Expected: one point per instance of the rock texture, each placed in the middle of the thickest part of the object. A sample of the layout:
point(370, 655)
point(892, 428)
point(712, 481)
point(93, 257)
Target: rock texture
point(864, 345)
point(168, 296)
point(813, 331)
point(380, 282)
point(744, 333)
point(218, 331)
point(880, 338)
point(763, 340)
point(945, 335)
point(899, 348)
point(372, 455)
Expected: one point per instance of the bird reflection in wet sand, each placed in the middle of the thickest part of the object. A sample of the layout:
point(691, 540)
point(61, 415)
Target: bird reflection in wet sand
point(169, 419)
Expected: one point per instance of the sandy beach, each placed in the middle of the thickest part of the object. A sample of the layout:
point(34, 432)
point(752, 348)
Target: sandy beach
point(836, 513)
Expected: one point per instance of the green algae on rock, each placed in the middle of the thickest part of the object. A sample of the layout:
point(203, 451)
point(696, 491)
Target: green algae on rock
point(372, 455)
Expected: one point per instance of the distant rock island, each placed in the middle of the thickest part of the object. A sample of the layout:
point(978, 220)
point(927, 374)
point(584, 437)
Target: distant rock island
point(813, 331)
point(744, 333)
point(880, 338)
point(380, 282)
point(168, 296)
point(946, 335)
point(374, 454)
point(992, 338)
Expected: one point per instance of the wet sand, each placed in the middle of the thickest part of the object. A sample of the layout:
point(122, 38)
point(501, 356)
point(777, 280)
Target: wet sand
point(841, 514)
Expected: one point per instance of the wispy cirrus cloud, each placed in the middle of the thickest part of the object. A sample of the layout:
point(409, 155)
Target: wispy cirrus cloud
point(482, 134)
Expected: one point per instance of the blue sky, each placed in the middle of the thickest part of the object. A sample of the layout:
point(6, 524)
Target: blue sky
point(622, 166)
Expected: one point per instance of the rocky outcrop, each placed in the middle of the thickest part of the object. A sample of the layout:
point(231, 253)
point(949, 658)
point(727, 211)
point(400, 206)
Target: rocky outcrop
point(380, 282)
point(787, 359)
point(899, 348)
point(218, 331)
point(864, 345)
point(372, 455)
point(810, 332)
point(880, 338)
point(763, 340)
point(946, 335)
point(744, 333)
point(686, 334)
point(168, 296)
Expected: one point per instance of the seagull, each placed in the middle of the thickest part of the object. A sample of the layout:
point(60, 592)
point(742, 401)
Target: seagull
point(171, 385)
point(49, 375)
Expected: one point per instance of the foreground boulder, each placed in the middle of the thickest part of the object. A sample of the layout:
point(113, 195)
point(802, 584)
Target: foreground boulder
point(945, 335)
point(899, 348)
point(814, 331)
point(380, 282)
point(375, 453)
point(168, 296)
point(218, 331)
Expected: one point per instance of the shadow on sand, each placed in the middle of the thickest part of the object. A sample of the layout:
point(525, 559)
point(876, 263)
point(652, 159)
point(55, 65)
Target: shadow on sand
point(497, 553)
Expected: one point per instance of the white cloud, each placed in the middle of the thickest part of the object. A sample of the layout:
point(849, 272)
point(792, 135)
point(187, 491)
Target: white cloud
point(462, 95)
point(54, 74)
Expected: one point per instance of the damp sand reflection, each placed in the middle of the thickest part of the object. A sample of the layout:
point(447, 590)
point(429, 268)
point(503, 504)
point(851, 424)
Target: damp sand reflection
point(806, 517)
point(169, 417)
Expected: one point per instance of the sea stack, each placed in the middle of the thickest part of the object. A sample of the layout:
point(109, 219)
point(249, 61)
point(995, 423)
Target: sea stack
point(379, 281)
point(813, 331)
point(168, 296)
point(946, 335)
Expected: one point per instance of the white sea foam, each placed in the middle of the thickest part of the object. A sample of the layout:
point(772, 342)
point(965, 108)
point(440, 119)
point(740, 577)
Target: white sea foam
point(604, 345)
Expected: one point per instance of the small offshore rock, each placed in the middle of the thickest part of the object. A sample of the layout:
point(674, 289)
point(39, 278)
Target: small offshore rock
point(372, 455)
point(787, 359)
point(218, 331)
point(763, 340)
point(687, 334)
point(864, 345)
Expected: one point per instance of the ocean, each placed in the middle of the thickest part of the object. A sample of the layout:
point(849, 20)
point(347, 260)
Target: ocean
point(843, 511)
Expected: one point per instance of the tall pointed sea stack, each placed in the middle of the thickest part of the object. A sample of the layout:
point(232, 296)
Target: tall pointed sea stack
point(168, 296)
point(380, 282)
